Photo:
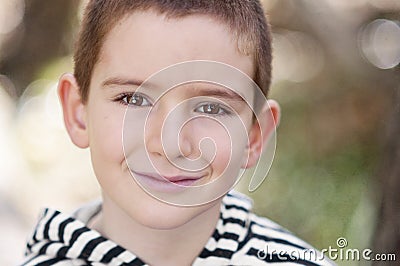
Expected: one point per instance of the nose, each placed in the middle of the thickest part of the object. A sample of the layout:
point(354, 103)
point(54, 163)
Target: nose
point(167, 134)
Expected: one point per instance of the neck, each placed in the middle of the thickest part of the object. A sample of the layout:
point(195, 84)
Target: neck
point(177, 246)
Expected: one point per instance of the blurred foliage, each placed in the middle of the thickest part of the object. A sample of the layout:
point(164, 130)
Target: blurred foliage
point(323, 183)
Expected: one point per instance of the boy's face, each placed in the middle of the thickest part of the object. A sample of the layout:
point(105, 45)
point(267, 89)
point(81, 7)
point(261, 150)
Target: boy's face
point(136, 48)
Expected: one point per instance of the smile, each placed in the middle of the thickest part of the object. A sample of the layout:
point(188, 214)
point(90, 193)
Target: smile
point(155, 181)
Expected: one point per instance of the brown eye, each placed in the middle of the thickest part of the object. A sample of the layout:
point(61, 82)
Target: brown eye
point(212, 109)
point(136, 100)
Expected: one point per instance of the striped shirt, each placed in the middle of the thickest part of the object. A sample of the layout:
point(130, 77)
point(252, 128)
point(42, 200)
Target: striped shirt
point(240, 238)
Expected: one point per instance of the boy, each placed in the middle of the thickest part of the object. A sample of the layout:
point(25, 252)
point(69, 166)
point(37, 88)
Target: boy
point(161, 95)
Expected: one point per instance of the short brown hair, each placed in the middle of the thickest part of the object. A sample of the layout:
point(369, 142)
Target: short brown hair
point(245, 18)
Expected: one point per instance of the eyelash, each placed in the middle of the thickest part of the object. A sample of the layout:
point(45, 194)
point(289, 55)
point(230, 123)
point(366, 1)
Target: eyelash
point(120, 99)
point(226, 111)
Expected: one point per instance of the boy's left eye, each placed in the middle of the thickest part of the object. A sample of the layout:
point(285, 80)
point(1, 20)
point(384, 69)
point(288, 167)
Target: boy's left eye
point(212, 109)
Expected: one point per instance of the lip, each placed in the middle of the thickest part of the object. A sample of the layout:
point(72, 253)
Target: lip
point(166, 183)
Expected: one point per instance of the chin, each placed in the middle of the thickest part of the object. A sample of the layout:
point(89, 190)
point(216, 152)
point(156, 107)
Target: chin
point(162, 216)
point(131, 205)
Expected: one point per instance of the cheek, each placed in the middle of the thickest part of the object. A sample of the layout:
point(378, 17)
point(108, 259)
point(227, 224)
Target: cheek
point(133, 132)
point(227, 145)
point(223, 152)
point(105, 139)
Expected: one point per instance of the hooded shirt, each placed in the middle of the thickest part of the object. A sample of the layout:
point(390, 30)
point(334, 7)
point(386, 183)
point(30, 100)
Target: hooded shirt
point(240, 238)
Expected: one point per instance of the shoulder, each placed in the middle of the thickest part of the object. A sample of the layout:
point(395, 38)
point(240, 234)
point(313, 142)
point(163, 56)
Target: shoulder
point(263, 241)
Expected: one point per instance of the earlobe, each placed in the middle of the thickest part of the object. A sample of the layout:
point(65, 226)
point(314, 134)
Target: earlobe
point(261, 131)
point(74, 110)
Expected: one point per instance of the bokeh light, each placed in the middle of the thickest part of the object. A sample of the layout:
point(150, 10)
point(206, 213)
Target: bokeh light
point(380, 43)
point(11, 14)
point(386, 4)
point(297, 57)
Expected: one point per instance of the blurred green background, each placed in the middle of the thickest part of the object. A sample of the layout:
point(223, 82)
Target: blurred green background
point(335, 74)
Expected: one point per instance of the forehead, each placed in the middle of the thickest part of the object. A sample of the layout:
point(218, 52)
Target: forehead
point(143, 43)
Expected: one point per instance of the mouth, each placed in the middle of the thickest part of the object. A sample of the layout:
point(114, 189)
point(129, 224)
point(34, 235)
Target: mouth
point(167, 183)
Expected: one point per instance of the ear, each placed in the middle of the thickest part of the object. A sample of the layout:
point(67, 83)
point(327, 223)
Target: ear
point(261, 131)
point(74, 110)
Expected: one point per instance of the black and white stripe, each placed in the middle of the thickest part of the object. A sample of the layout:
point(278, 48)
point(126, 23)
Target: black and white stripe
point(239, 237)
point(62, 240)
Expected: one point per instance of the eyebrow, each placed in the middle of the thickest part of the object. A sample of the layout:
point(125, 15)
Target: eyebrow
point(122, 82)
point(209, 92)
point(220, 93)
